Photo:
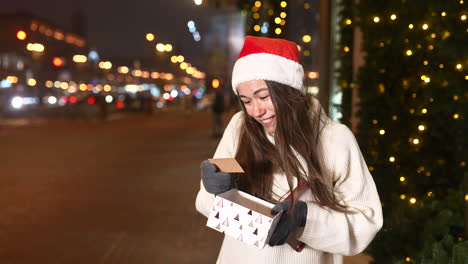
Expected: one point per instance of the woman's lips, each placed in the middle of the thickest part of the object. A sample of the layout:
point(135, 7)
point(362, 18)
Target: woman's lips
point(267, 121)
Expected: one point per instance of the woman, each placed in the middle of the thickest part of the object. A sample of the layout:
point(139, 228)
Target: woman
point(282, 139)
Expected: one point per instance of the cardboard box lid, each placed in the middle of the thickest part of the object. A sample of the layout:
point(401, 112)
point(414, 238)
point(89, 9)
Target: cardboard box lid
point(249, 201)
point(227, 165)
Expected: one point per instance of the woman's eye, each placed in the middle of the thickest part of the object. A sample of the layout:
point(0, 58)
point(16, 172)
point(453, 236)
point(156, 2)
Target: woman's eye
point(264, 97)
point(246, 102)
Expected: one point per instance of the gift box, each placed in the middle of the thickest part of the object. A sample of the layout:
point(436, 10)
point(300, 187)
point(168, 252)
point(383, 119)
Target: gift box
point(241, 215)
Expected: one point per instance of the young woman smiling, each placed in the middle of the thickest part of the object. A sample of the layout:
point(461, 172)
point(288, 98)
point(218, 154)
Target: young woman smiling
point(283, 139)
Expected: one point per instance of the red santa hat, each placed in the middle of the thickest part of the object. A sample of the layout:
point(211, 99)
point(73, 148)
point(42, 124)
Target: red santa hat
point(268, 59)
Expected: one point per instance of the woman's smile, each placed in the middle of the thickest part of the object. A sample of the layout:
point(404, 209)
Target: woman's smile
point(256, 98)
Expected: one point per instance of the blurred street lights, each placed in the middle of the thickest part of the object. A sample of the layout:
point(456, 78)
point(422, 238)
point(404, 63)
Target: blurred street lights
point(193, 29)
point(21, 35)
point(150, 37)
point(80, 58)
point(161, 47)
point(105, 65)
point(162, 50)
point(306, 38)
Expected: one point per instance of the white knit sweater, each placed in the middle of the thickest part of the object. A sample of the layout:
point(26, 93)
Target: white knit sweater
point(328, 234)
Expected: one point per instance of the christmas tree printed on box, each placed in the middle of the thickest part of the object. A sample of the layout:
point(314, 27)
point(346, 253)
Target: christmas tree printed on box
point(243, 217)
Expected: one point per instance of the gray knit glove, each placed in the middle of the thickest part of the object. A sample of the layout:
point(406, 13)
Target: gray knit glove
point(214, 180)
point(288, 223)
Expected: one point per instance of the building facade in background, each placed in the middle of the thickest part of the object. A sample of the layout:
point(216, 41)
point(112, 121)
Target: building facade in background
point(42, 64)
point(33, 52)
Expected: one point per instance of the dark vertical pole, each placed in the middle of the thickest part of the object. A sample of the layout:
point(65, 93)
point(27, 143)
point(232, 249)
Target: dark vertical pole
point(324, 53)
point(465, 189)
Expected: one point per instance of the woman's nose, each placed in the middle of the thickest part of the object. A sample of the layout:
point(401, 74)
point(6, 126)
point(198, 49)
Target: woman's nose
point(258, 110)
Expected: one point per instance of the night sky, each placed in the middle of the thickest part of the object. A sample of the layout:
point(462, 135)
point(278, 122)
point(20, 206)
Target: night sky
point(117, 28)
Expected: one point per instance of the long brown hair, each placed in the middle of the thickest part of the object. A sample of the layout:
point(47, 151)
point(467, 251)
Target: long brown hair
point(298, 127)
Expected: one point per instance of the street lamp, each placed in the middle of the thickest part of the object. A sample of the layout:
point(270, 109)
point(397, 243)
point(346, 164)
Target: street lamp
point(57, 61)
point(150, 37)
point(180, 58)
point(80, 58)
point(168, 47)
point(160, 47)
point(21, 35)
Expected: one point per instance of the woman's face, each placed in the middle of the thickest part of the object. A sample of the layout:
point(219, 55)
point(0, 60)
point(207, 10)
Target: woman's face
point(257, 101)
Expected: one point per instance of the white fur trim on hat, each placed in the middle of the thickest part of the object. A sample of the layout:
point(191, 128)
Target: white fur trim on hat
point(269, 67)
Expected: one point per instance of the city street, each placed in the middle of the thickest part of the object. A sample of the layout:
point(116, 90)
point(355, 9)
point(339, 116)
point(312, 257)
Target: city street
point(114, 192)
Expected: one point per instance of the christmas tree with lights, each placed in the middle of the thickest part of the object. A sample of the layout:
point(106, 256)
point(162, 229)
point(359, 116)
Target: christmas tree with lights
point(413, 128)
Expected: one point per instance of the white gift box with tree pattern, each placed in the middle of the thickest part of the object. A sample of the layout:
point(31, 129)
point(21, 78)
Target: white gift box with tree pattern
point(243, 217)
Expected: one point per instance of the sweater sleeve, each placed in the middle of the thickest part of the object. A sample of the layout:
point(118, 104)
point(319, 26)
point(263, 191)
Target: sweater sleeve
point(344, 233)
point(226, 149)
